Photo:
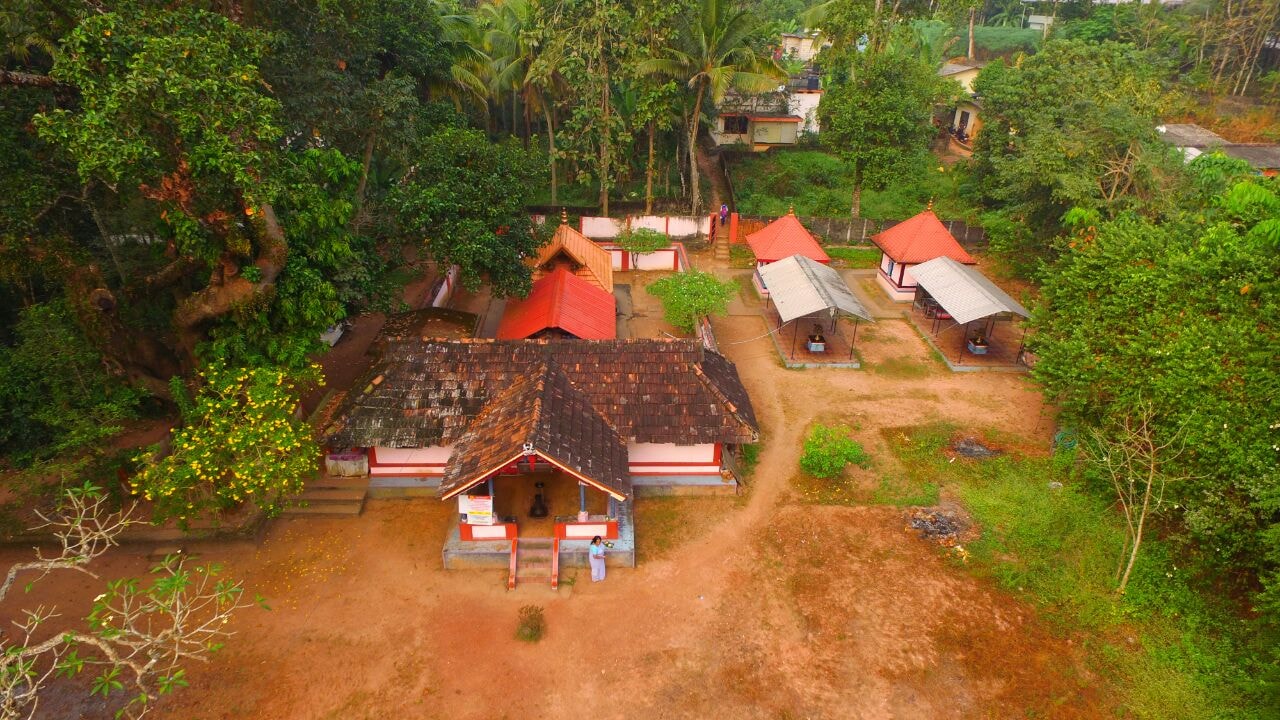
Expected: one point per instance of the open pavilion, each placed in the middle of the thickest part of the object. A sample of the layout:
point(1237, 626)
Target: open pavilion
point(966, 317)
point(812, 298)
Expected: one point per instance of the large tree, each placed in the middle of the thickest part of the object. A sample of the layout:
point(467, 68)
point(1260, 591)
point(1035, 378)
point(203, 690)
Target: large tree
point(1175, 319)
point(1073, 127)
point(713, 53)
point(879, 119)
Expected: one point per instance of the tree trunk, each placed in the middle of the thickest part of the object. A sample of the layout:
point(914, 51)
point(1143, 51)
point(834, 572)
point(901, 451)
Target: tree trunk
point(973, 11)
point(1137, 535)
point(856, 208)
point(605, 154)
point(648, 173)
point(365, 164)
point(551, 147)
point(695, 122)
point(22, 79)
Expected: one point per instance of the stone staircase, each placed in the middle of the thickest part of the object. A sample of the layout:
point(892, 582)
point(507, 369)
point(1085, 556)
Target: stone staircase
point(330, 497)
point(720, 246)
point(535, 562)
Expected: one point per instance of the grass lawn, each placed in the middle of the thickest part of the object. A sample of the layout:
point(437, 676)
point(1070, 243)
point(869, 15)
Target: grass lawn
point(819, 184)
point(857, 256)
point(1172, 649)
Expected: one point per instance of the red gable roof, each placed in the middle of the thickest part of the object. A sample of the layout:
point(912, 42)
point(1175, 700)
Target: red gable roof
point(565, 301)
point(920, 239)
point(783, 238)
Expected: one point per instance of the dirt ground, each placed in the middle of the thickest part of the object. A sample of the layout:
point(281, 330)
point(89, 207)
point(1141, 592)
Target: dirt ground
point(777, 610)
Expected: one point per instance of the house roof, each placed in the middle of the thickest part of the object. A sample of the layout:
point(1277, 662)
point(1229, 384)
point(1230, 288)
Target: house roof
point(428, 392)
point(963, 292)
point(799, 286)
point(541, 413)
point(591, 262)
point(564, 301)
point(920, 239)
point(1189, 135)
point(949, 69)
point(1261, 157)
point(785, 237)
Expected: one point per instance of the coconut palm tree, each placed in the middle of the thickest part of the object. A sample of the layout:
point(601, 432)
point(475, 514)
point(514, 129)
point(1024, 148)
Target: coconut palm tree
point(712, 54)
point(525, 62)
point(468, 64)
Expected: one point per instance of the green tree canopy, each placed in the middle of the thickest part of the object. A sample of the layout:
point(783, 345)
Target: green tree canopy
point(878, 121)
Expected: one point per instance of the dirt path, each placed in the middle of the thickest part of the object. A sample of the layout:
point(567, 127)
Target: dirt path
point(781, 610)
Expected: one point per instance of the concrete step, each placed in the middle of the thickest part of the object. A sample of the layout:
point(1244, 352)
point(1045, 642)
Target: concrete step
point(328, 509)
point(544, 577)
point(327, 482)
point(318, 495)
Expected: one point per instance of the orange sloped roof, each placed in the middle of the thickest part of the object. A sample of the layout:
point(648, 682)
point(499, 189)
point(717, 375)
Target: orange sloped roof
point(920, 239)
point(596, 265)
point(565, 301)
point(783, 238)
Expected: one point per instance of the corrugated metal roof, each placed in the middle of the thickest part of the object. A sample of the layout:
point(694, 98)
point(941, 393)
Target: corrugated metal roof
point(565, 301)
point(785, 237)
point(963, 292)
point(800, 286)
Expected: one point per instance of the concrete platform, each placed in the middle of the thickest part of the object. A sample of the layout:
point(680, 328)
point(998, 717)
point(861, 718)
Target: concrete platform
point(459, 554)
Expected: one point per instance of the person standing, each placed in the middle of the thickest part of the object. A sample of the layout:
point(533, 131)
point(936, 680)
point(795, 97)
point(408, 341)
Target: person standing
point(724, 215)
point(595, 556)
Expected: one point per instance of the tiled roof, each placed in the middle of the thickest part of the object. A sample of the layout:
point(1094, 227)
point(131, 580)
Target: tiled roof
point(920, 239)
point(1189, 135)
point(541, 413)
point(426, 392)
point(562, 301)
point(592, 262)
point(785, 237)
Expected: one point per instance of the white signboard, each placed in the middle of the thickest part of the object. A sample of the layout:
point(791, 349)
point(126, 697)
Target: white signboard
point(477, 508)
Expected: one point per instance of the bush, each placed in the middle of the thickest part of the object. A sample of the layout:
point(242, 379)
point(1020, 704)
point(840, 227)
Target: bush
point(643, 240)
point(828, 449)
point(690, 295)
point(531, 625)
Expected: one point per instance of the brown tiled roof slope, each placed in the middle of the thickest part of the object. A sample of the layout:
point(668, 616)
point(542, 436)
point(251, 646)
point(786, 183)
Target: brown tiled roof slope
point(544, 413)
point(426, 392)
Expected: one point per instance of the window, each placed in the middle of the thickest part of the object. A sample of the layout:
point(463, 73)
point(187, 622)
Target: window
point(735, 124)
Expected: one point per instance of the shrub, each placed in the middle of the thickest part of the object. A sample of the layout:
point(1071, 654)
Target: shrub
point(828, 449)
point(690, 295)
point(643, 240)
point(531, 625)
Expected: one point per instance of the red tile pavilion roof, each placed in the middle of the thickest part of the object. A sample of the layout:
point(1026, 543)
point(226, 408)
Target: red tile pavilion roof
point(563, 301)
point(783, 238)
point(920, 239)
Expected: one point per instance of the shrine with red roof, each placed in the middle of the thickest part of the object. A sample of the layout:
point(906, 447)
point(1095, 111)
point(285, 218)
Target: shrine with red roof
point(909, 243)
point(781, 239)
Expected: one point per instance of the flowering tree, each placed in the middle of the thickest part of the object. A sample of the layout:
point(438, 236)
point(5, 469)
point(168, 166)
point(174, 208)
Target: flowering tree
point(240, 441)
point(137, 636)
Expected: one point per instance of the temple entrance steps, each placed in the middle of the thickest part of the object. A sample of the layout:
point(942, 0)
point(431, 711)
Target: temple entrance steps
point(534, 560)
point(329, 497)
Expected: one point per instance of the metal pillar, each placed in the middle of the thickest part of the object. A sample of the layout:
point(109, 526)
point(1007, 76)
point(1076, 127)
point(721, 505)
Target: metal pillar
point(490, 483)
point(794, 336)
point(582, 497)
point(853, 340)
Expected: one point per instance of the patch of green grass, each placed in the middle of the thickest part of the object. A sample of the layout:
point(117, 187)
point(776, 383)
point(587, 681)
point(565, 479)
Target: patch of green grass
point(750, 457)
point(854, 256)
point(905, 492)
point(1171, 648)
point(531, 625)
point(901, 367)
point(741, 257)
point(665, 523)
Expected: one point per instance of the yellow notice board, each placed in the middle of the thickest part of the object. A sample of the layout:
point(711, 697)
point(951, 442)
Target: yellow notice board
point(477, 508)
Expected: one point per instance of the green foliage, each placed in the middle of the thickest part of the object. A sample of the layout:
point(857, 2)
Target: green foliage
point(1073, 126)
point(240, 442)
point(854, 257)
point(1189, 654)
point(531, 624)
point(879, 120)
point(466, 199)
point(991, 41)
point(643, 240)
point(818, 183)
point(828, 449)
point(691, 295)
point(55, 395)
point(1182, 314)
